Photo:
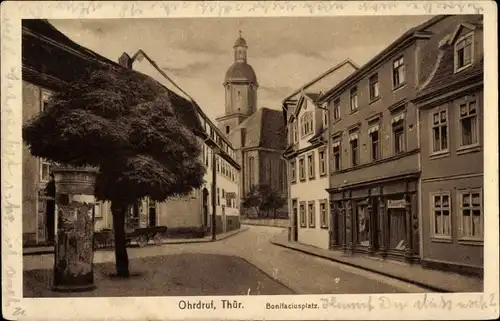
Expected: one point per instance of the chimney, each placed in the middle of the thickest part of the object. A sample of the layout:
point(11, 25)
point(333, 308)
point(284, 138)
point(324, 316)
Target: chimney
point(125, 61)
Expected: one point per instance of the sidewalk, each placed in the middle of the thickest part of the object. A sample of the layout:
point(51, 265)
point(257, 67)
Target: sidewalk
point(40, 250)
point(435, 280)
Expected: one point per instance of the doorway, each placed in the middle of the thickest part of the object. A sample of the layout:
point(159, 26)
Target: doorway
point(223, 219)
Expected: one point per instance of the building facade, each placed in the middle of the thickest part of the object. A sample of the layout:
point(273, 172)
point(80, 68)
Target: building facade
point(257, 134)
point(451, 111)
point(307, 157)
point(186, 215)
point(374, 146)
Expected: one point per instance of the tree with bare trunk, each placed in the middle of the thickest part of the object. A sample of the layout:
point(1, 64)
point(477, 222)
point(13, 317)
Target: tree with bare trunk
point(123, 123)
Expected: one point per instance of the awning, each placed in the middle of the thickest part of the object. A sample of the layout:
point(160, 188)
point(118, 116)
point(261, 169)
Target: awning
point(373, 129)
point(398, 118)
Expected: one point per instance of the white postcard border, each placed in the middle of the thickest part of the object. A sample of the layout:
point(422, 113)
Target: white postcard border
point(456, 305)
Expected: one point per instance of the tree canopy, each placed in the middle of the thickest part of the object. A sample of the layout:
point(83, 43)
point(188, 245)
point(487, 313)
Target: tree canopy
point(122, 122)
point(263, 198)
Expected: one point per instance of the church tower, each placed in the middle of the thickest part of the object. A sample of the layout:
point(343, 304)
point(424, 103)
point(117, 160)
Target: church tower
point(240, 86)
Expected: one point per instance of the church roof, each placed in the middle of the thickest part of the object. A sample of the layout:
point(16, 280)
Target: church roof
point(240, 42)
point(240, 71)
point(263, 129)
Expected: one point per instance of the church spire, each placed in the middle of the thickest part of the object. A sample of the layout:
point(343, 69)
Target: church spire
point(240, 49)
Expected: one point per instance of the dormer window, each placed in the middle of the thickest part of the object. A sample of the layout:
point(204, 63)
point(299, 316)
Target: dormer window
point(464, 51)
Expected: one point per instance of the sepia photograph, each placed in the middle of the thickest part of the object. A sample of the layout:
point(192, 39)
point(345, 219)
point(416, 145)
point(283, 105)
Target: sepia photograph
point(214, 159)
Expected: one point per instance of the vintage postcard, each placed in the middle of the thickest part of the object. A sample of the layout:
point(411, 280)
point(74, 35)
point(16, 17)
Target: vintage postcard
point(249, 160)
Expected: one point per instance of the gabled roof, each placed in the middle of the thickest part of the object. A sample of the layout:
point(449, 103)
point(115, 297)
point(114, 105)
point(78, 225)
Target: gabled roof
point(443, 74)
point(312, 97)
point(320, 77)
point(263, 129)
point(456, 33)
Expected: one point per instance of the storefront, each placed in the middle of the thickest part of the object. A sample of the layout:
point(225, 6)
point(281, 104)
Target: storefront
point(379, 219)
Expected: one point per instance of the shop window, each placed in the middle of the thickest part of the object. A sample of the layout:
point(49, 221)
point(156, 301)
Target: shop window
point(323, 214)
point(97, 210)
point(311, 213)
point(441, 211)
point(302, 213)
point(440, 131)
point(363, 230)
point(469, 130)
point(470, 215)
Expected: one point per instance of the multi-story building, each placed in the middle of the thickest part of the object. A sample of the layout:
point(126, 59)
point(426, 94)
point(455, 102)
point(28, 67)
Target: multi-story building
point(451, 111)
point(307, 156)
point(192, 213)
point(374, 145)
point(48, 55)
point(257, 134)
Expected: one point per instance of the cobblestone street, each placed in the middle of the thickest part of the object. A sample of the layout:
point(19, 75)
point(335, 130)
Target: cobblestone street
point(234, 266)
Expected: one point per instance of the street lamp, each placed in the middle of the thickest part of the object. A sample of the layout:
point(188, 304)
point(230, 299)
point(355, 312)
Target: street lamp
point(215, 151)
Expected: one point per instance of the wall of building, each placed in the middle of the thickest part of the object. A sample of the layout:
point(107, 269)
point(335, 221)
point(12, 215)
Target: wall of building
point(307, 191)
point(382, 107)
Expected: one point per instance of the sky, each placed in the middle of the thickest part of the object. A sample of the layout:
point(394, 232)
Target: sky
point(284, 52)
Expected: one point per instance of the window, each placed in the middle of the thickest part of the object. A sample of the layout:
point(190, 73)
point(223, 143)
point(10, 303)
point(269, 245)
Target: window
point(45, 170)
point(325, 118)
point(354, 150)
point(374, 89)
point(468, 124)
point(223, 194)
point(311, 171)
point(470, 215)
point(311, 212)
point(398, 133)
point(363, 225)
point(336, 156)
point(302, 210)
point(295, 131)
point(97, 210)
point(464, 52)
point(217, 166)
point(227, 129)
point(354, 99)
point(44, 101)
point(439, 131)
point(336, 109)
point(323, 214)
point(398, 72)
point(218, 196)
point(322, 162)
point(293, 171)
point(374, 139)
point(306, 124)
point(441, 209)
point(302, 169)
